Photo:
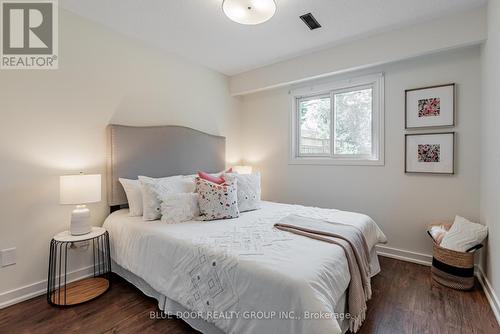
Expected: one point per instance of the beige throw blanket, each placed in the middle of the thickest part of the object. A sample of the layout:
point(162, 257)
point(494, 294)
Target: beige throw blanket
point(357, 253)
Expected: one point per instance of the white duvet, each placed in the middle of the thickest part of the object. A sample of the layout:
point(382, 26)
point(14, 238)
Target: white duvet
point(243, 275)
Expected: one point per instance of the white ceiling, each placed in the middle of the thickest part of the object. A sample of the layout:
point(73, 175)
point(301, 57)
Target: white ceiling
point(198, 30)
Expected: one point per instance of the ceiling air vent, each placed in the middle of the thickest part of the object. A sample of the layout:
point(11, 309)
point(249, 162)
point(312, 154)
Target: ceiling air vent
point(310, 21)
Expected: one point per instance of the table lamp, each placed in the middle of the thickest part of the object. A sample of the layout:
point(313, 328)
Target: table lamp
point(243, 169)
point(80, 190)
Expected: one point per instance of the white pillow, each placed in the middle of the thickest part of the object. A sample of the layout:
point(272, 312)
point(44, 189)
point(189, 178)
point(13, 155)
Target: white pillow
point(180, 207)
point(248, 189)
point(463, 235)
point(155, 189)
point(134, 196)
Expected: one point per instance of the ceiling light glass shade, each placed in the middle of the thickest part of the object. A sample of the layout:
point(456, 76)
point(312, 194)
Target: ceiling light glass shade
point(249, 11)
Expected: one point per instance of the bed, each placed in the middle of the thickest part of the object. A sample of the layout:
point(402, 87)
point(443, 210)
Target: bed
point(227, 276)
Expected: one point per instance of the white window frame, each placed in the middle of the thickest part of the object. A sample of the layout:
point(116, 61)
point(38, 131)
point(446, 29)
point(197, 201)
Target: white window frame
point(376, 158)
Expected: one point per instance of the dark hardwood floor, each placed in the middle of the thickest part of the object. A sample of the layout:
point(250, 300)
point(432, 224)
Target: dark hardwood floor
point(405, 300)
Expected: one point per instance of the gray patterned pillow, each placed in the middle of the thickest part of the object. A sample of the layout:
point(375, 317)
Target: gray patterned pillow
point(217, 201)
point(248, 190)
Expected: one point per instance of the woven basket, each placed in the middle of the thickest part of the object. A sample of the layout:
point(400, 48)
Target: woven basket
point(451, 268)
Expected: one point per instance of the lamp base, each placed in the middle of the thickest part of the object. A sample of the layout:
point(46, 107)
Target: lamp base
point(80, 221)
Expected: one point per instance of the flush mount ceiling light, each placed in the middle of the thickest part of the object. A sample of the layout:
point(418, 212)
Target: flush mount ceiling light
point(249, 11)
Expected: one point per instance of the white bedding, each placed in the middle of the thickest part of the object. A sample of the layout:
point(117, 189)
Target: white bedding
point(228, 269)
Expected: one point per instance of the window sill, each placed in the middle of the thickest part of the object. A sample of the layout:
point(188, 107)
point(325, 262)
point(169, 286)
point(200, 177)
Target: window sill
point(335, 162)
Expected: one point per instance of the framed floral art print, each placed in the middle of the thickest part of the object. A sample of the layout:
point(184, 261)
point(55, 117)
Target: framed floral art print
point(430, 153)
point(430, 106)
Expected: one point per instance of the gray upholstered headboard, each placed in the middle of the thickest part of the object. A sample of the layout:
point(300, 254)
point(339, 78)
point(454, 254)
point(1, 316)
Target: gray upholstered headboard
point(158, 151)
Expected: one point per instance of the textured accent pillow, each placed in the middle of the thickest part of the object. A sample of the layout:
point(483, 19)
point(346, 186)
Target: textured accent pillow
point(178, 208)
point(217, 201)
point(248, 190)
point(463, 235)
point(155, 189)
point(134, 196)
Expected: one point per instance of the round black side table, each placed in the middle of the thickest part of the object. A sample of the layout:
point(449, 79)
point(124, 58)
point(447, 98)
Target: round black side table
point(63, 293)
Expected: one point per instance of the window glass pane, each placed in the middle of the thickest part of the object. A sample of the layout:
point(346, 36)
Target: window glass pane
point(314, 121)
point(353, 122)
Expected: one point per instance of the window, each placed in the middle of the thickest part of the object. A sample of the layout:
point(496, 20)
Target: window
point(339, 123)
point(314, 120)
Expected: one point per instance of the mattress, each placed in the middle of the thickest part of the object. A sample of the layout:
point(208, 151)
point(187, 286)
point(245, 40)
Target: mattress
point(242, 275)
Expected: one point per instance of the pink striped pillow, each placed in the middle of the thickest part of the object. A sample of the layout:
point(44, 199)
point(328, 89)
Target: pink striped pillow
point(214, 179)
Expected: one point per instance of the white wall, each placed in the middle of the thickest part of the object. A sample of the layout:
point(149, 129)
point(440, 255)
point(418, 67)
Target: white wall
point(53, 123)
point(401, 204)
point(490, 144)
point(416, 40)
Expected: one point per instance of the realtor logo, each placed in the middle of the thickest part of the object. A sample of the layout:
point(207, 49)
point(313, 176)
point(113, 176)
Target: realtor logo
point(29, 34)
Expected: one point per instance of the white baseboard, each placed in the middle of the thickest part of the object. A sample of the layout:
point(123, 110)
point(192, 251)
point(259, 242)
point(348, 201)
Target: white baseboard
point(404, 255)
point(489, 292)
point(18, 295)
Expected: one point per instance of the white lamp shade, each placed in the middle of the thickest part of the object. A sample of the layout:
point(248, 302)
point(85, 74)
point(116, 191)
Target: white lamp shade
point(80, 189)
point(243, 169)
point(249, 11)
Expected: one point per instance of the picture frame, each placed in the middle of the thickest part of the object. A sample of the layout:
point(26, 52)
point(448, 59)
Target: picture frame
point(432, 153)
point(430, 107)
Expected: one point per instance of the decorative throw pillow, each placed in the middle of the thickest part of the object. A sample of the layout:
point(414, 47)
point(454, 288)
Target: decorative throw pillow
point(155, 189)
point(463, 235)
point(178, 208)
point(134, 196)
point(248, 190)
point(217, 201)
